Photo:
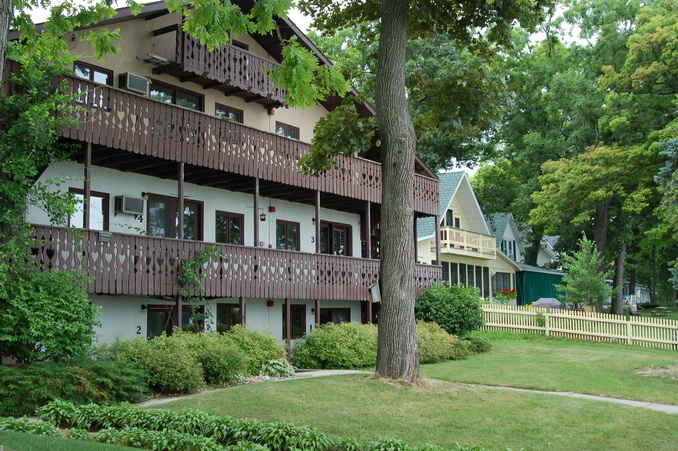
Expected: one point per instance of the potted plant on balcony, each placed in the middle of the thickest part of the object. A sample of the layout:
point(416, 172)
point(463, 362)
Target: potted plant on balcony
point(505, 296)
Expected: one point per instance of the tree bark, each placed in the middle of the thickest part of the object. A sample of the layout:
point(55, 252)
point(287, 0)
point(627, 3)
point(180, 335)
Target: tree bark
point(600, 229)
point(532, 255)
point(398, 354)
point(616, 306)
point(6, 12)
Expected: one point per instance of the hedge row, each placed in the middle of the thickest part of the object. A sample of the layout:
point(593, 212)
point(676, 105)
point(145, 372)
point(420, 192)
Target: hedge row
point(354, 346)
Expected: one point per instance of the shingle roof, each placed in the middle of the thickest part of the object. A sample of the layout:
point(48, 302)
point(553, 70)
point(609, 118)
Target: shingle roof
point(449, 183)
point(497, 223)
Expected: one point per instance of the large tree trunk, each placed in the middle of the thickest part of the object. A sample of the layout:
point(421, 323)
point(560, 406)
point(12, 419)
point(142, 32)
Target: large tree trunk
point(600, 229)
point(6, 12)
point(617, 308)
point(398, 354)
point(532, 254)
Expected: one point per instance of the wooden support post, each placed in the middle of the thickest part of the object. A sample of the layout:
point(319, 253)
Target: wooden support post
point(317, 312)
point(369, 311)
point(241, 305)
point(438, 257)
point(288, 325)
point(256, 212)
point(317, 222)
point(368, 228)
point(180, 226)
point(416, 248)
point(88, 187)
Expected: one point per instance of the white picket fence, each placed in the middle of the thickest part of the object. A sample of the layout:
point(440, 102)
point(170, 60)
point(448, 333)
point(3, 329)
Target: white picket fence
point(635, 330)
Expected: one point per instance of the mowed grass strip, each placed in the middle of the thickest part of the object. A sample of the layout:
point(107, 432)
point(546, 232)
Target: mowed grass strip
point(557, 364)
point(442, 413)
point(20, 441)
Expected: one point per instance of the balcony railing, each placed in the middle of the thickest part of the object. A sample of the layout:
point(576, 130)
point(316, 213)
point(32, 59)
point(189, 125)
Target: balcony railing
point(115, 118)
point(228, 65)
point(143, 265)
point(463, 242)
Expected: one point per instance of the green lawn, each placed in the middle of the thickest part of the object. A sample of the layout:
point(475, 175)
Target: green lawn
point(442, 412)
point(537, 362)
point(17, 441)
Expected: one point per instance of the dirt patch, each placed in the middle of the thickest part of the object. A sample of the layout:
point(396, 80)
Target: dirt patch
point(669, 372)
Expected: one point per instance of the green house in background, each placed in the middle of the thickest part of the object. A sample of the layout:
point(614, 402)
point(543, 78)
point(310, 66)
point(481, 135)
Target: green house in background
point(533, 283)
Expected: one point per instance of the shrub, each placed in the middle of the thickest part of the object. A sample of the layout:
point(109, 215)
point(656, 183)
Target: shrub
point(46, 316)
point(259, 348)
point(221, 360)
point(478, 345)
point(169, 365)
point(278, 368)
point(337, 346)
point(456, 308)
point(25, 387)
point(436, 345)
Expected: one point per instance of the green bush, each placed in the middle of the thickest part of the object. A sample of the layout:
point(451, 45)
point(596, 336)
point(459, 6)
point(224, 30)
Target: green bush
point(25, 387)
point(169, 364)
point(221, 360)
point(478, 345)
point(278, 368)
point(46, 316)
point(260, 348)
point(436, 345)
point(456, 308)
point(337, 346)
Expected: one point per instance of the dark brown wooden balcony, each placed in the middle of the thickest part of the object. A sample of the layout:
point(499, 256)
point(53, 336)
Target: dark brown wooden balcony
point(229, 69)
point(115, 120)
point(143, 265)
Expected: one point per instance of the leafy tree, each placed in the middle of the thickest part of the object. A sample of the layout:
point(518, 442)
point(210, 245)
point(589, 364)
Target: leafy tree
point(585, 281)
point(456, 308)
point(668, 209)
point(42, 315)
point(399, 20)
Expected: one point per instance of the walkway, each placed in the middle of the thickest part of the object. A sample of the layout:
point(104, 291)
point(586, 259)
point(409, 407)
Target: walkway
point(666, 408)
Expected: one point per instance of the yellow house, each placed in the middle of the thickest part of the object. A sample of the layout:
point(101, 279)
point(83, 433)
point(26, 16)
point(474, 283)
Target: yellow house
point(462, 239)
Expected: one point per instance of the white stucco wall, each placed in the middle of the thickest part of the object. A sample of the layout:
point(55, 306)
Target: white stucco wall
point(117, 183)
point(123, 317)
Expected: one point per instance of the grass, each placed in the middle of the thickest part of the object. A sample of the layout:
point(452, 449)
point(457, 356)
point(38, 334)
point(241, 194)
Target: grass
point(537, 362)
point(443, 412)
point(18, 441)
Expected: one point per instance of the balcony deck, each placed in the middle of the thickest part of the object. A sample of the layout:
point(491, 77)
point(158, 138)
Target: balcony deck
point(112, 118)
point(470, 244)
point(229, 69)
point(148, 266)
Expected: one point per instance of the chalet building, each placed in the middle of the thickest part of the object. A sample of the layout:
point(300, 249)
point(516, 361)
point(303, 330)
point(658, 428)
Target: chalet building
point(181, 149)
point(461, 237)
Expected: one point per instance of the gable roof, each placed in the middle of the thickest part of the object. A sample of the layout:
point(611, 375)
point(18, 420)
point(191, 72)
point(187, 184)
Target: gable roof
point(497, 223)
point(451, 184)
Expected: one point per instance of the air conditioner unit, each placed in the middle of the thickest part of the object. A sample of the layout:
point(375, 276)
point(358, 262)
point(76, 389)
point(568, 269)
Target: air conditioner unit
point(129, 205)
point(133, 82)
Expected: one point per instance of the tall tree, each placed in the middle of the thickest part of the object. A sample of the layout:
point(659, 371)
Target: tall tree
point(400, 20)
